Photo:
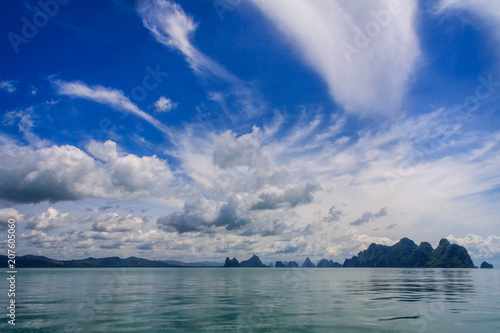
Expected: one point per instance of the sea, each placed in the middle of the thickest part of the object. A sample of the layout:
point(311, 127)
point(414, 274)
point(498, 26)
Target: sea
point(255, 300)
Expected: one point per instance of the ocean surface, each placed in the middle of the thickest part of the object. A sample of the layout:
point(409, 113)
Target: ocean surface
point(256, 300)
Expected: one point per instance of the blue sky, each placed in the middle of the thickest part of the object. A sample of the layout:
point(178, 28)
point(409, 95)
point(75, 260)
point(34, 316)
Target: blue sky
point(197, 130)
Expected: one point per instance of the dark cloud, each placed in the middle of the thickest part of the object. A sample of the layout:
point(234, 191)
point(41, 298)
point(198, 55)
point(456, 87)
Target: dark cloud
point(229, 218)
point(334, 214)
point(291, 249)
point(367, 217)
point(111, 246)
point(147, 247)
point(292, 197)
point(194, 217)
point(391, 226)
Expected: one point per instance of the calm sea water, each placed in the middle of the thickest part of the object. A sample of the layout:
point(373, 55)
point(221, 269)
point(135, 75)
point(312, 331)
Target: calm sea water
point(257, 300)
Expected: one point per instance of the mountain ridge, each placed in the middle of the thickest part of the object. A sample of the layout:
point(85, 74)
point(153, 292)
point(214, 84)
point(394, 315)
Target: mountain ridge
point(32, 261)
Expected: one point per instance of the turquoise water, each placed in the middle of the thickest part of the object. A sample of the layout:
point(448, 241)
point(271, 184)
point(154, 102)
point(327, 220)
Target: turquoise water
point(256, 300)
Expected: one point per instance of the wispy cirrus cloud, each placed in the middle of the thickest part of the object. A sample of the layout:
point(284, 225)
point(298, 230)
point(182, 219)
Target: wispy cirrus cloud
point(113, 98)
point(172, 27)
point(489, 10)
point(365, 51)
point(8, 86)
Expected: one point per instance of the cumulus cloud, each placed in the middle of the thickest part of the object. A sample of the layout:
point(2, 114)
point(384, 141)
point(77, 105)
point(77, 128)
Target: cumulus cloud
point(113, 222)
point(130, 173)
point(49, 220)
point(8, 86)
point(232, 216)
point(367, 217)
point(58, 173)
point(55, 173)
point(288, 198)
point(213, 213)
point(479, 247)
point(111, 97)
point(366, 50)
point(7, 214)
point(164, 104)
point(194, 216)
point(231, 151)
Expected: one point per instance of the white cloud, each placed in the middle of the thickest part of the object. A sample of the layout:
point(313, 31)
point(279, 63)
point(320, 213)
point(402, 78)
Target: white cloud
point(172, 27)
point(164, 104)
point(261, 166)
point(113, 222)
point(479, 247)
point(25, 122)
point(7, 214)
point(49, 220)
point(8, 86)
point(58, 173)
point(230, 151)
point(444, 191)
point(112, 97)
point(366, 50)
point(130, 173)
point(488, 10)
point(54, 173)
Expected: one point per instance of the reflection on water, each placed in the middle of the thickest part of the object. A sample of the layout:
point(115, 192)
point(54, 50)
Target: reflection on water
point(414, 285)
point(258, 300)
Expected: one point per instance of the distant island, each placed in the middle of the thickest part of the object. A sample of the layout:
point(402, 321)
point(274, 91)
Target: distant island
point(484, 264)
point(404, 253)
point(31, 261)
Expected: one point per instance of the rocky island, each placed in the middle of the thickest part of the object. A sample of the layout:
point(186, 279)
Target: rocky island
point(484, 264)
point(406, 253)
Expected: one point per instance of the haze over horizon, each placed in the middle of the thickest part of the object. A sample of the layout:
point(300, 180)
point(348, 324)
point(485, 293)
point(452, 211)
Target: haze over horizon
point(196, 130)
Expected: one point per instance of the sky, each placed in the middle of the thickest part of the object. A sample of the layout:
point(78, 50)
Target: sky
point(196, 130)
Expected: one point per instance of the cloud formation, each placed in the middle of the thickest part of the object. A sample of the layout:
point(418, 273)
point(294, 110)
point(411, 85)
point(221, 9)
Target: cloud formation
point(367, 217)
point(164, 104)
point(111, 97)
point(290, 197)
point(488, 10)
point(366, 51)
point(49, 220)
point(8, 86)
point(113, 222)
point(172, 27)
point(479, 247)
point(7, 214)
point(58, 173)
point(334, 214)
